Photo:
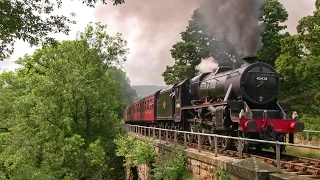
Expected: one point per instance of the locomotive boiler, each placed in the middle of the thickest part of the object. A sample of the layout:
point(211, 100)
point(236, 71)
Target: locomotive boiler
point(255, 82)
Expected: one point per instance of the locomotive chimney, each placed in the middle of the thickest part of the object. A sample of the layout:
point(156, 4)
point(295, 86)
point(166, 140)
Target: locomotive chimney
point(249, 59)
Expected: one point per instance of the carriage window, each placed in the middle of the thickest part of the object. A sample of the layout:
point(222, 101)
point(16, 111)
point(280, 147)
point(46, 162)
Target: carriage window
point(148, 105)
point(177, 93)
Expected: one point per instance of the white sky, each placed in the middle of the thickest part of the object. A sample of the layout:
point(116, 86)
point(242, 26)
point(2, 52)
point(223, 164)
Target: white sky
point(138, 67)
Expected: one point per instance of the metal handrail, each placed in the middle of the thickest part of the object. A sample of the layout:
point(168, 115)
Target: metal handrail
point(308, 133)
point(139, 130)
point(311, 131)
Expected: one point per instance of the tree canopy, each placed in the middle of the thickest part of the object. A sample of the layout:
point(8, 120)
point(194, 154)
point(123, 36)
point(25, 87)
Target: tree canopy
point(197, 44)
point(32, 21)
point(60, 110)
point(299, 65)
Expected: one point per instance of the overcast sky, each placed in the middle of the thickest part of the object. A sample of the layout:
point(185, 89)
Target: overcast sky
point(151, 27)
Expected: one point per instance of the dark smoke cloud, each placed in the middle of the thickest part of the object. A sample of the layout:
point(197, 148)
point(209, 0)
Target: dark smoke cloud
point(236, 21)
point(151, 27)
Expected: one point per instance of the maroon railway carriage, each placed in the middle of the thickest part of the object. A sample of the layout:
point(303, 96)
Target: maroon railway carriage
point(142, 110)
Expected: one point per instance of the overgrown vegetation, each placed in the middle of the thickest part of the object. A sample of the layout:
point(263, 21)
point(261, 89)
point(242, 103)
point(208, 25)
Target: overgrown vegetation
point(134, 151)
point(167, 166)
point(62, 109)
point(171, 166)
point(221, 174)
point(33, 21)
point(303, 152)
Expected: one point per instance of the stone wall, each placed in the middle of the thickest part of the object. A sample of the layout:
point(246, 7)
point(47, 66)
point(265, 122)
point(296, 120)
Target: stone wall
point(200, 169)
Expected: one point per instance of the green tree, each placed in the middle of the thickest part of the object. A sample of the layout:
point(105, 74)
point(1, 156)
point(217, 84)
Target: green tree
point(127, 93)
point(61, 110)
point(299, 64)
point(273, 17)
point(32, 21)
point(198, 43)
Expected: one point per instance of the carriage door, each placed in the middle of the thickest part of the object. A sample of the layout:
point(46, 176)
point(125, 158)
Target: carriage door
point(177, 116)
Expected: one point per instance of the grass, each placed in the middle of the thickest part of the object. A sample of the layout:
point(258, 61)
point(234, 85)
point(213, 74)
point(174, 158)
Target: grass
point(303, 152)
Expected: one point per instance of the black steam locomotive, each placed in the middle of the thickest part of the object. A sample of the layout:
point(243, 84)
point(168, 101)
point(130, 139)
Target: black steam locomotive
point(233, 102)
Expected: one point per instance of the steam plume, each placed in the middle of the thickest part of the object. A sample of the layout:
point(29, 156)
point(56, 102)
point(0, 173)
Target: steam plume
point(207, 65)
point(236, 21)
point(151, 27)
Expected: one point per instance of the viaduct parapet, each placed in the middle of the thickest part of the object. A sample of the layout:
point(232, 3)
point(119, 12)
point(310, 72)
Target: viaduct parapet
point(203, 164)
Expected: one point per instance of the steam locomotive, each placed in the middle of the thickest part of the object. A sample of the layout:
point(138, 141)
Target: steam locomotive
point(238, 102)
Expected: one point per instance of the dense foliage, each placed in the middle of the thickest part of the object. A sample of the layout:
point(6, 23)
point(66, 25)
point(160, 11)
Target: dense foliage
point(135, 152)
point(61, 110)
point(171, 165)
point(32, 21)
point(299, 65)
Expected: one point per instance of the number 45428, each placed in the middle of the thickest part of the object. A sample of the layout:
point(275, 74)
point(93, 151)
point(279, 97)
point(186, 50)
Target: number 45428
point(262, 78)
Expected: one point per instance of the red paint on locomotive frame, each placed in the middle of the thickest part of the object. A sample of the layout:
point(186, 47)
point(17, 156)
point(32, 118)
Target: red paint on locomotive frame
point(278, 125)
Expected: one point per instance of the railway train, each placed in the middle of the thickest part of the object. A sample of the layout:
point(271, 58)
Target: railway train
point(238, 102)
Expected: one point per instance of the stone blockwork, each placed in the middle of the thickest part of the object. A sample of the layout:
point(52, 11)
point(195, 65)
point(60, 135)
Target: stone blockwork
point(143, 172)
point(200, 169)
point(203, 165)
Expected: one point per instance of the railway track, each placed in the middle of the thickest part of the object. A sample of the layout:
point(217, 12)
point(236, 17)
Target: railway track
point(302, 166)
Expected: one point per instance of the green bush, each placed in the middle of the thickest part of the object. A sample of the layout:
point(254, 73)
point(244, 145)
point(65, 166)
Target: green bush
point(135, 152)
point(220, 173)
point(171, 166)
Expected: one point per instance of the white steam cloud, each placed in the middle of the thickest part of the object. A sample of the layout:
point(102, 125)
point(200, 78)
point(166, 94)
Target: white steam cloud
point(238, 21)
point(207, 65)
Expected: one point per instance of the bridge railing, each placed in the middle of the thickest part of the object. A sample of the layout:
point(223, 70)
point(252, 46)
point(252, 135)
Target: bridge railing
point(142, 130)
point(308, 132)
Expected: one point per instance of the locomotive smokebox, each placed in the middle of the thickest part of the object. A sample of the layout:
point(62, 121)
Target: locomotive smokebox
point(249, 59)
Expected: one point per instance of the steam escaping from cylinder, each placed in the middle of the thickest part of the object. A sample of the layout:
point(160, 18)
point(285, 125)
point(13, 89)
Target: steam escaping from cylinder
point(237, 21)
point(207, 65)
point(212, 109)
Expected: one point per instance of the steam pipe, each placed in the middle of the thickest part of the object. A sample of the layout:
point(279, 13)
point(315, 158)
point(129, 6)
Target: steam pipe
point(249, 59)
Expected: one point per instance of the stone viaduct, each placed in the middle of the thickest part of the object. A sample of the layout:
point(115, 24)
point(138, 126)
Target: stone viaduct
point(203, 164)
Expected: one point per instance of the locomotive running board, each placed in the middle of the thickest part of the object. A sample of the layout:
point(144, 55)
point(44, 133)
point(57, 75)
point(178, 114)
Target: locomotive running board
point(205, 105)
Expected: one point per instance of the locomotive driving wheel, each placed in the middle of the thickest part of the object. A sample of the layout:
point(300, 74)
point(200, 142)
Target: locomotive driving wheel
point(191, 137)
point(241, 145)
point(225, 143)
point(211, 141)
point(282, 147)
point(202, 138)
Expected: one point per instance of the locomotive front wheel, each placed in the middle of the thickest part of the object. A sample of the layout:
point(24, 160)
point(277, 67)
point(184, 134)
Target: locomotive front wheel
point(225, 143)
point(211, 141)
point(191, 137)
point(240, 144)
point(282, 147)
point(258, 148)
point(202, 138)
